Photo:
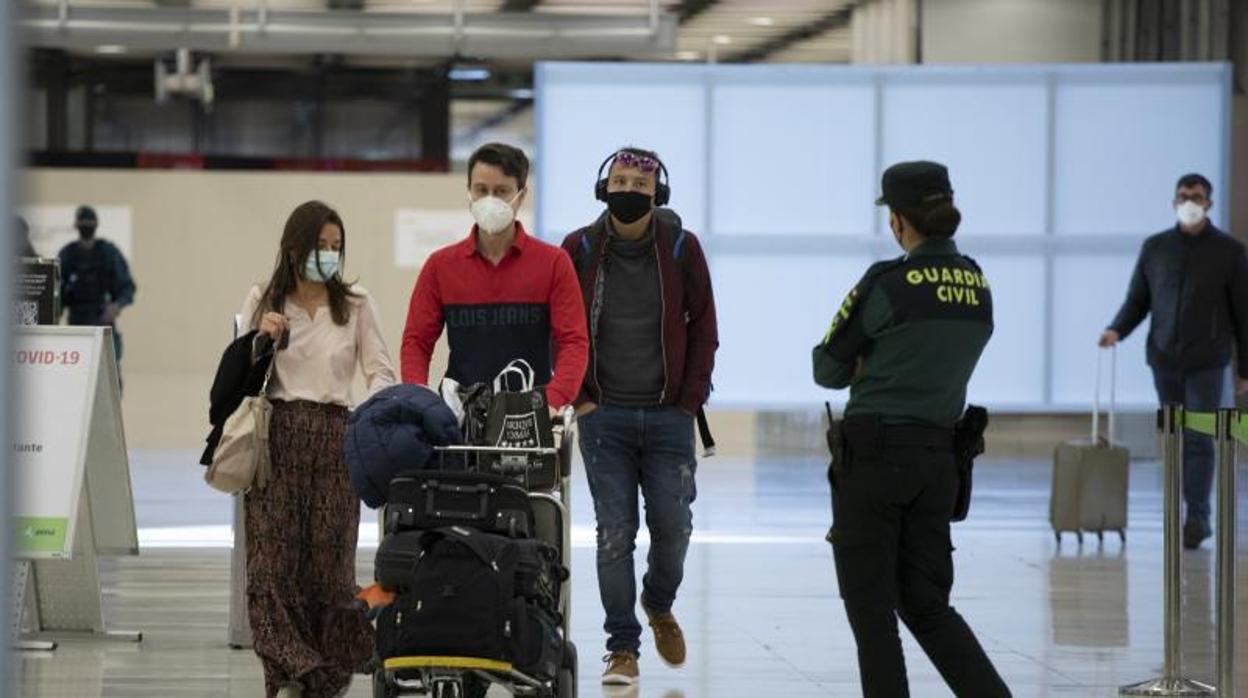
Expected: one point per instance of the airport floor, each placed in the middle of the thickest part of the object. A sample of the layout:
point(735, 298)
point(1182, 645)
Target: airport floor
point(759, 605)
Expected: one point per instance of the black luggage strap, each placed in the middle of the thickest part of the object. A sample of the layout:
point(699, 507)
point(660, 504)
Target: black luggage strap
point(468, 538)
point(704, 431)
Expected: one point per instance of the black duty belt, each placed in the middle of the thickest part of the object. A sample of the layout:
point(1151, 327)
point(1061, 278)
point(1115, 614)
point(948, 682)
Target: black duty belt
point(917, 436)
point(869, 433)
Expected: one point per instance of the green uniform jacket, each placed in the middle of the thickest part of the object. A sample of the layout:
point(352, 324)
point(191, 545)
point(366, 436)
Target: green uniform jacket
point(908, 337)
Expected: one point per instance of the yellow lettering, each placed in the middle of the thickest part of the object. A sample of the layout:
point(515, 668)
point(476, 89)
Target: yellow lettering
point(983, 282)
point(959, 295)
point(972, 298)
point(933, 275)
point(943, 294)
point(915, 277)
point(945, 276)
point(957, 276)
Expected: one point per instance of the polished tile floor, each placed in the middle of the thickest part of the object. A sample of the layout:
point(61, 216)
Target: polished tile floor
point(759, 605)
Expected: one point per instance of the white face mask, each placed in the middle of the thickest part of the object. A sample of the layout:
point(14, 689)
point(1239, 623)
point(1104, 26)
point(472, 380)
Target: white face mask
point(327, 269)
point(492, 214)
point(1190, 213)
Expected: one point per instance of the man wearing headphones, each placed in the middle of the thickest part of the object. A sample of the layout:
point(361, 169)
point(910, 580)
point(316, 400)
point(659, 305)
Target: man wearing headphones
point(653, 337)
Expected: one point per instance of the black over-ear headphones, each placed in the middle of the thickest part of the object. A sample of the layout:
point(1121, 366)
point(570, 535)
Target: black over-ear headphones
point(662, 187)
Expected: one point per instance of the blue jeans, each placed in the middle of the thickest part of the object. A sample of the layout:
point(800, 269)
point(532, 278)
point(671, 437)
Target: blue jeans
point(627, 449)
point(1198, 391)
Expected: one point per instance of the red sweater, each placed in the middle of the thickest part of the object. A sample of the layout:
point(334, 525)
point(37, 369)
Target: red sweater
point(528, 307)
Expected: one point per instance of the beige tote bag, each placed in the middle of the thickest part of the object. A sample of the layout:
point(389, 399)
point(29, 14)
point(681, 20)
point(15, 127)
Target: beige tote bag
point(241, 459)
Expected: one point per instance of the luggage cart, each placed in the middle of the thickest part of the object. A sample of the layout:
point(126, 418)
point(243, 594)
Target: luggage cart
point(471, 677)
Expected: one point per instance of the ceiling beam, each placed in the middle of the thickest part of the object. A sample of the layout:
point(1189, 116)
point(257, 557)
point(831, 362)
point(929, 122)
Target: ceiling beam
point(519, 5)
point(828, 22)
point(688, 9)
point(346, 5)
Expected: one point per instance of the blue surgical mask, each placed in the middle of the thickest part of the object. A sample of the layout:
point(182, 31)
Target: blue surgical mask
point(328, 267)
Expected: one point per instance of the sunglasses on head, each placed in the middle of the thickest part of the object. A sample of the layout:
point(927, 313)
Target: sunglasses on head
point(632, 160)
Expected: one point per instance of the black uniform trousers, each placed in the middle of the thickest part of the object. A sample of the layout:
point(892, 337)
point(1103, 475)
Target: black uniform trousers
point(893, 490)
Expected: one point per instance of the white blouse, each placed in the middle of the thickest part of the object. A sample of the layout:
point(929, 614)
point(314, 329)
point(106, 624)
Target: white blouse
point(319, 362)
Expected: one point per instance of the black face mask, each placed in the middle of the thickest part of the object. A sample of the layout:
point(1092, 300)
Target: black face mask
point(628, 206)
point(86, 232)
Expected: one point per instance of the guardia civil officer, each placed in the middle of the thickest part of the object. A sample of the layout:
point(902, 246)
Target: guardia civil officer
point(905, 342)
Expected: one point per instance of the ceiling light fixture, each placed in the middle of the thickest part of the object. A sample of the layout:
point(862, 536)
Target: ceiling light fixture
point(762, 21)
point(110, 49)
point(722, 40)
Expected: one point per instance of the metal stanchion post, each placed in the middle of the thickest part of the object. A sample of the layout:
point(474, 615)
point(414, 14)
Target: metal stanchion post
point(1227, 521)
point(1171, 683)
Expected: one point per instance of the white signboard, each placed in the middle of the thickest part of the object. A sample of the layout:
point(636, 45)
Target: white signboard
point(69, 418)
point(418, 233)
point(52, 227)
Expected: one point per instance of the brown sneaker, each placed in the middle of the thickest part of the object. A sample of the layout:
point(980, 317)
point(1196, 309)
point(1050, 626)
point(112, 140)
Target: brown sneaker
point(621, 669)
point(668, 638)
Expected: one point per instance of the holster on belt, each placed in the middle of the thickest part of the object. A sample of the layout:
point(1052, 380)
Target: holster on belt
point(968, 443)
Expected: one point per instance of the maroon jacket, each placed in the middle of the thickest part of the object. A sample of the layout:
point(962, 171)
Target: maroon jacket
point(690, 336)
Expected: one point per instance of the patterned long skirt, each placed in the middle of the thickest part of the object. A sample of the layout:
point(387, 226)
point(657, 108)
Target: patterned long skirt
point(301, 538)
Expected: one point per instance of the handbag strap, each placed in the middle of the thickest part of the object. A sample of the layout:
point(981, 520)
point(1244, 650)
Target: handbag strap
point(268, 375)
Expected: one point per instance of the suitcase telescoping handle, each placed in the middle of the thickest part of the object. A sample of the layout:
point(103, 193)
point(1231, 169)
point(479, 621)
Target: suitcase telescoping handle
point(1113, 396)
point(480, 515)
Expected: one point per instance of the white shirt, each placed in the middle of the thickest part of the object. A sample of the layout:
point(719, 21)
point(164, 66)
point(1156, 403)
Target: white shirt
point(319, 362)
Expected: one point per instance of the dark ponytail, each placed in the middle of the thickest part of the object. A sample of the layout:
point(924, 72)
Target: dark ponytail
point(939, 219)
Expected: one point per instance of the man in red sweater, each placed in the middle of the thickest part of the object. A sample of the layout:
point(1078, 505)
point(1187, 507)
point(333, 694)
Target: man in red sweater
point(500, 293)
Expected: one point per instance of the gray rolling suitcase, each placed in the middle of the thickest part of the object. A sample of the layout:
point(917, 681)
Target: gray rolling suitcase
point(1090, 477)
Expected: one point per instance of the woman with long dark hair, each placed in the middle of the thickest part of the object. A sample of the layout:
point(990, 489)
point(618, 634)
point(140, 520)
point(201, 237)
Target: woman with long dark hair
point(302, 527)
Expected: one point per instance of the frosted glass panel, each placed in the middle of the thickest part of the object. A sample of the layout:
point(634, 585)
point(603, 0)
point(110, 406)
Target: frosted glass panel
point(991, 136)
point(1120, 148)
point(770, 317)
point(1011, 371)
point(583, 123)
point(1088, 290)
point(783, 152)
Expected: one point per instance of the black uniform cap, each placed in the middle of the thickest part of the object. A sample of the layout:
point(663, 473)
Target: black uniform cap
point(909, 184)
point(86, 214)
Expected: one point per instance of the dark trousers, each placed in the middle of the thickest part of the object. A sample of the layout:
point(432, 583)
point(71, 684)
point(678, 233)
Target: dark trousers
point(628, 450)
point(1197, 391)
point(894, 557)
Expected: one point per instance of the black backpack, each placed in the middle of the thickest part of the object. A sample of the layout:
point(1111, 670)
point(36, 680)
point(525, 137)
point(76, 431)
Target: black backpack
point(462, 599)
point(459, 601)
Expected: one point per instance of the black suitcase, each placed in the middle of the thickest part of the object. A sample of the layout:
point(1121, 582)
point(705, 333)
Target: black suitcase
point(539, 574)
point(431, 499)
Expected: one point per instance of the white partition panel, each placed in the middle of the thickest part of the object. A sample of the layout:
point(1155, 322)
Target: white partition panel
point(990, 132)
point(783, 154)
point(1011, 371)
point(1059, 171)
point(762, 361)
point(1121, 144)
point(1088, 291)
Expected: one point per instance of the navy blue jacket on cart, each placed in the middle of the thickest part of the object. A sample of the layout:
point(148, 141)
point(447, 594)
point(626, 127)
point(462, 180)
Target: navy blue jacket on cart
point(395, 431)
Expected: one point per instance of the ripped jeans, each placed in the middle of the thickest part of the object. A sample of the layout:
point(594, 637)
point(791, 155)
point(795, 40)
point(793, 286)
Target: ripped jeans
point(651, 450)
